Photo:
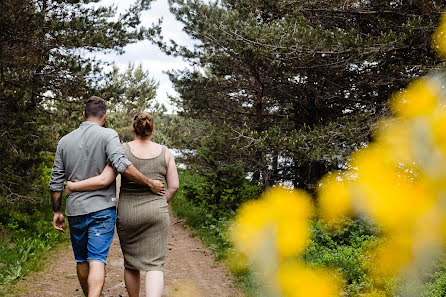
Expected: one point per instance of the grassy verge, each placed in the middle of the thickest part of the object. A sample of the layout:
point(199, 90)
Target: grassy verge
point(210, 229)
point(26, 236)
point(344, 250)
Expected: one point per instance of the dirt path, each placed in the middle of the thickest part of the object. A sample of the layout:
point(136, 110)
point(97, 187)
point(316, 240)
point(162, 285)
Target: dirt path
point(188, 262)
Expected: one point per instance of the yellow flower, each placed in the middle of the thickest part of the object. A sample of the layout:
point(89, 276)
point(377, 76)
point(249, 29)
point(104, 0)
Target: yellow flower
point(439, 38)
point(290, 213)
point(387, 191)
point(443, 229)
point(395, 136)
point(420, 98)
point(334, 199)
point(280, 215)
point(249, 230)
point(438, 130)
point(237, 261)
point(297, 280)
point(391, 256)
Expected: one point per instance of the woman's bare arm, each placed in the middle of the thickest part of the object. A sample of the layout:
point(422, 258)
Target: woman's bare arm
point(94, 183)
point(171, 177)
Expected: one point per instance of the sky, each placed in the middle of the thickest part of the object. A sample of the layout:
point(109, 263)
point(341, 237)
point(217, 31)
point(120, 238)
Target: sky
point(148, 54)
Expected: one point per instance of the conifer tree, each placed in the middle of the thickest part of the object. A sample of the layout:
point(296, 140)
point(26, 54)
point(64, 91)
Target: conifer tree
point(47, 69)
point(298, 85)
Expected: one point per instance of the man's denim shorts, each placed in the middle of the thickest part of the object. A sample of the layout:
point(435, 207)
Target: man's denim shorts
point(92, 234)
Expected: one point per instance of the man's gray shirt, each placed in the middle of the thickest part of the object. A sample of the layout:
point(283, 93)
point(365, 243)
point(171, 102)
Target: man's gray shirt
point(82, 154)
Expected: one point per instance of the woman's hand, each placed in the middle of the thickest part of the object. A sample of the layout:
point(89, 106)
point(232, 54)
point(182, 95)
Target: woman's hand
point(69, 188)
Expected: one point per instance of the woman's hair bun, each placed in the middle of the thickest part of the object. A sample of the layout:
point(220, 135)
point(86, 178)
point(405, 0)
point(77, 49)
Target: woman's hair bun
point(143, 124)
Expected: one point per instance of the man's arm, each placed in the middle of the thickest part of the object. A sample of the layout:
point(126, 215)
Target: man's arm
point(121, 164)
point(58, 218)
point(133, 174)
point(56, 186)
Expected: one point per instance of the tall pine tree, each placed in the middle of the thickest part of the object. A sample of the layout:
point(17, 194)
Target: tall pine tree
point(297, 85)
point(47, 69)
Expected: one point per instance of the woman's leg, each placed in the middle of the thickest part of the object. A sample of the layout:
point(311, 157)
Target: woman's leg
point(132, 281)
point(154, 283)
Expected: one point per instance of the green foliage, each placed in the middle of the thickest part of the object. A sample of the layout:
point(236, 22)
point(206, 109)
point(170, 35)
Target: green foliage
point(436, 280)
point(179, 132)
point(223, 191)
point(45, 74)
point(128, 93)
point(27, 234)
point(343, 250)
point(131, 91)
point(296, 86)
point(210, 228)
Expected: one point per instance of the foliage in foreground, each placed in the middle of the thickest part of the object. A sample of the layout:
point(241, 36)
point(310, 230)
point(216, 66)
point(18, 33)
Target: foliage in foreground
point(341, 250)
point(26, 232)
point(25, 237)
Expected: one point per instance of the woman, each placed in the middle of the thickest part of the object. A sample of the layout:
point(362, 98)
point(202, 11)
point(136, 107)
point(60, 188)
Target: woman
point(142, 219)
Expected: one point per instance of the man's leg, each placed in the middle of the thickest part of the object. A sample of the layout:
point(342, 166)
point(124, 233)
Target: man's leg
point(82, 275)
point(96, 278)
point(79, 237)
point(101, 229)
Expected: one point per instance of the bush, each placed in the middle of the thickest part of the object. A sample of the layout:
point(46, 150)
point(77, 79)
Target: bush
point(222, 191)
point(343, 250)
point(26, 234)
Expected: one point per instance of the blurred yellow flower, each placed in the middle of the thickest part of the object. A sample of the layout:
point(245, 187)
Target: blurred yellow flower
point(249, 230)
point(396, 137)
point(443, 229)
point(420, 98)
point(237, 261)
point(281, 215)
point(388, 191)
point(439, 38)
point(334, 198)
point(438, 129)
point(297, 280)
point(391, 256)
point(290, 213)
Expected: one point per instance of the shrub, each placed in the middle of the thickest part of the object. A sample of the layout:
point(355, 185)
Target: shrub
point(222, 191)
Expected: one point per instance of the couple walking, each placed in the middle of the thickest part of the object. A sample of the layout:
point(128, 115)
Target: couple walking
point(89, 159)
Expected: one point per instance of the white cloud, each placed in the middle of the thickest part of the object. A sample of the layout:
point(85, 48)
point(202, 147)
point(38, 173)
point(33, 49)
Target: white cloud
point(149, 55)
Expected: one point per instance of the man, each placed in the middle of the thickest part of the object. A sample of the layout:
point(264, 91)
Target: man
point(82, 154)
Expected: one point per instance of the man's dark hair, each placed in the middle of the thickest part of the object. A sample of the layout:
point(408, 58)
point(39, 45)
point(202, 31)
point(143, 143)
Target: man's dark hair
point(95, 107)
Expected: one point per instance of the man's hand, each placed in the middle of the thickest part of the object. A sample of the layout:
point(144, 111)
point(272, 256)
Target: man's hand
point(133, 174)
point(157, 187)
point(58, 221)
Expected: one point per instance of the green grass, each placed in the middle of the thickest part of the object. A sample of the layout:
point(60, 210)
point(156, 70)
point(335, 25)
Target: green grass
point(344, 250)
point(209, 229)
point(26, 236)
